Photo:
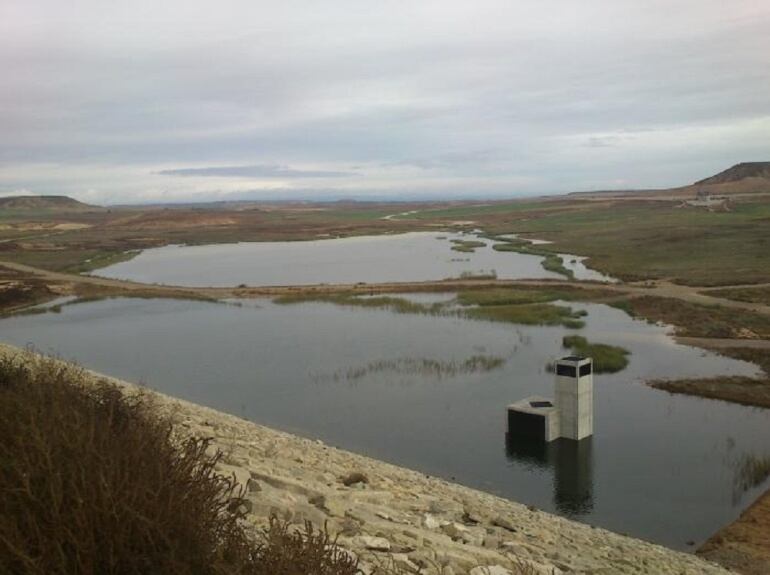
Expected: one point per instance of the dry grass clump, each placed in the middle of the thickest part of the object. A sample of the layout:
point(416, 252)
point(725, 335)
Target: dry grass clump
point(735, 388)
point(93, 481)
point(284, 550)
point(750, 471)
point(698, 320)
point(752, 295)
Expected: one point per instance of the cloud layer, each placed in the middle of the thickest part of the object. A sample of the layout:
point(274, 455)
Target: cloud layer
point(151, 101)
point(264, 171)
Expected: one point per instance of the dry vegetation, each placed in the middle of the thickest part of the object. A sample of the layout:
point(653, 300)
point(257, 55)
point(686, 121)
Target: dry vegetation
point(696, 320)
point(93, 481)
point(737, 389)
point(752, 295)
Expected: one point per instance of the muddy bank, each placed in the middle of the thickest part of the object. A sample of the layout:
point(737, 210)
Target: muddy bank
point(744, 545)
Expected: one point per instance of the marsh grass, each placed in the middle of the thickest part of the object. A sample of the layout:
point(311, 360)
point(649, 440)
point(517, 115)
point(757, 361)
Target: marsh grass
point(555, 263)
point(736, 389)
point(510, 246)
point(750, 471)
point(755, 355)
point(551, 262)
point(510, 296)
point(528, 314)
point(467, 246)
point(752, 295)
point(697, 320)
point(480, 275)
point(390, 303)
point(474, 305)
point(606, 358)
point(732, 388)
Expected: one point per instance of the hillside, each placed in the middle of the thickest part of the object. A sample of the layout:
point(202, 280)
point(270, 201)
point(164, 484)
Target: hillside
point(746, 178)
point(45, 203)
point(737, 173)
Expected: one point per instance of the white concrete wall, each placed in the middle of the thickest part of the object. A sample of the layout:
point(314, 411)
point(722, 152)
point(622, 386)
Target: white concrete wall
point(575, 400)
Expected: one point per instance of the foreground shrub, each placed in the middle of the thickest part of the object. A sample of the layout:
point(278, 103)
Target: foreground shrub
point(92, 481)
point(286, 551)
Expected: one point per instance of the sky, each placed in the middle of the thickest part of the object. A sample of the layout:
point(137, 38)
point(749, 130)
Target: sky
point(175, 101)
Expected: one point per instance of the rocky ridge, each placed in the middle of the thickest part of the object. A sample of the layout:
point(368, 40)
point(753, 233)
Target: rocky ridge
point(386, 513)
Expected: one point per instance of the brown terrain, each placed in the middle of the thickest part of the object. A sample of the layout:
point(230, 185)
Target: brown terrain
point(743, 546)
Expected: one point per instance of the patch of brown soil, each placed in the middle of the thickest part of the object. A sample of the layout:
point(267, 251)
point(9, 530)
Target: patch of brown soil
point(174, 220)
point(744, 545)
point(44, 226)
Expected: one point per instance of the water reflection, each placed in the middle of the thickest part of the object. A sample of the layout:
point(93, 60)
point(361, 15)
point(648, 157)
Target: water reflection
point(572, 463)
point(661, 468)
point(414, 256)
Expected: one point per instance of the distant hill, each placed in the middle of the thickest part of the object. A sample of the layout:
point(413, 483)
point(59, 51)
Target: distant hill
point(738, 172)
point(46, 203)
point(746, 178)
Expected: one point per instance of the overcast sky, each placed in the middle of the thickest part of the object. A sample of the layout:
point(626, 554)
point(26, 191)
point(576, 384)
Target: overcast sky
point(117, 102)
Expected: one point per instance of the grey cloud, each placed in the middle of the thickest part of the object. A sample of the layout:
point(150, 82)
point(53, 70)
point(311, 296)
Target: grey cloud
point(450, 159)
point(258, 171)
point(553, 93)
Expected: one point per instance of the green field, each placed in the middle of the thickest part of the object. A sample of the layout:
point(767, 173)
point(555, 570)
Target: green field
point(646, 240)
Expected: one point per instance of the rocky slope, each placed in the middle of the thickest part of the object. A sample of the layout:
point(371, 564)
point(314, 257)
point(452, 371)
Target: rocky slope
point(738, 172)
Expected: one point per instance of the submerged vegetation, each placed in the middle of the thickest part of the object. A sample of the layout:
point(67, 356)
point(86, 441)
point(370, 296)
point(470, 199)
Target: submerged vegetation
point(422, 367)
point(750, 471)
point(480, 275)
point(467, 246)
point(503, 305)
point(606, 358)
point(751, 295)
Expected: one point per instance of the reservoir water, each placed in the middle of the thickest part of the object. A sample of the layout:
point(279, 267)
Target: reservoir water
point(415, 256)
point(659, 467)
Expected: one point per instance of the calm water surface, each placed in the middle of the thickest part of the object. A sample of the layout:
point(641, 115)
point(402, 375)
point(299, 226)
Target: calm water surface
point(660, 467)
point(413, 256)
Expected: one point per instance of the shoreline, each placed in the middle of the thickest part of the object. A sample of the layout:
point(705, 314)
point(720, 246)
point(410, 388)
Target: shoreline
point(744, 544)
point(401, 515)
